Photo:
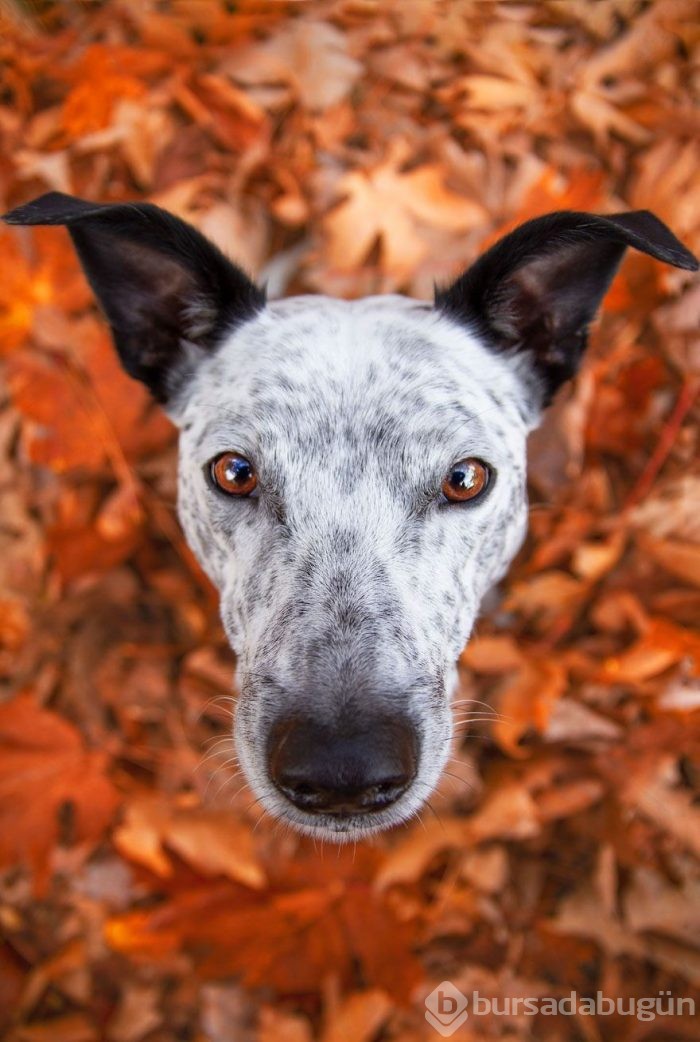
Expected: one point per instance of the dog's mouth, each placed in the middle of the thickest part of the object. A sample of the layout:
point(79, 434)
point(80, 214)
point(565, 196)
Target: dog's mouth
point(341, 826)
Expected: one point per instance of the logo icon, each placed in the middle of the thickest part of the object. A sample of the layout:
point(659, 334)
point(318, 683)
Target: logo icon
point(446, 1008)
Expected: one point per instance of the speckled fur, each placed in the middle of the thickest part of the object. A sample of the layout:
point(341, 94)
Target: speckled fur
point(349, 580)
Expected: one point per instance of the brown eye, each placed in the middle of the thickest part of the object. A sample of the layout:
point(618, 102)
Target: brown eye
point(233, 474)
point(467, 479)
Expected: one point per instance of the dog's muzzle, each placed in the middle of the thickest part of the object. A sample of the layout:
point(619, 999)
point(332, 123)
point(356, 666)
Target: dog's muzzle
point(343, 769)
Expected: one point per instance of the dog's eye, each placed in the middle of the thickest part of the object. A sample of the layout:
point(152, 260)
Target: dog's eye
point(467, 480)
point(233, 474)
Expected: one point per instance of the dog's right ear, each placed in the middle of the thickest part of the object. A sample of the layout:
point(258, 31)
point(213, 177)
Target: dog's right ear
point(168, 293)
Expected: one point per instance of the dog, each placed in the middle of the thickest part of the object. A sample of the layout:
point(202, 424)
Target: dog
point(352, 476)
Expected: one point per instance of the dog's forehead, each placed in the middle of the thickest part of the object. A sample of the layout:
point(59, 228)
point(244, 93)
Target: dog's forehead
point(386, 363)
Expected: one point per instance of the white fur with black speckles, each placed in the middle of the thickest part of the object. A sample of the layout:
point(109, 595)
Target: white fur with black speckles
point(349, 577)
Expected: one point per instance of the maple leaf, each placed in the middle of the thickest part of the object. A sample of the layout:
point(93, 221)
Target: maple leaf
point(312, 56)
point(63, 434)
point(389, 205)
point(662, 644)
point(46, 776)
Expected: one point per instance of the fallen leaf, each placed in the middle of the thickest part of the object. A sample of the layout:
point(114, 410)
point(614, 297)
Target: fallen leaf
point(653, 904)
point(312, 56)
point(326, 923)
point(359, 1017)
point(661, 645)
point(389, 205)
point(545, 598)
point(525, 701)
point(681, 559)
point(212, 842)
point(47, 777)
point(275, 1026)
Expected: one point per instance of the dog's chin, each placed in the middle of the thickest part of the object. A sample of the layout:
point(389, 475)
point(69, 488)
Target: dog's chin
point(337, 828)
point(341, 828)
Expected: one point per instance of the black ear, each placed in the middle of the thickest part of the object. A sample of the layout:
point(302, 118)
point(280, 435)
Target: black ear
point(539, 287)
point(167, 291)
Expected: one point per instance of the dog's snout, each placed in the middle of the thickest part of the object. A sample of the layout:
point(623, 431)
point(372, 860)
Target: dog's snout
point(343, 770)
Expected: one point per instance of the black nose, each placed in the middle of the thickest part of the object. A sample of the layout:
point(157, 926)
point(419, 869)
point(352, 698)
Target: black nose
point(343, 770)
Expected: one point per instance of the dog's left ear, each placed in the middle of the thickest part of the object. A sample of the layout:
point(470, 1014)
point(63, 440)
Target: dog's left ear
point(539, 287)
point(168, 293)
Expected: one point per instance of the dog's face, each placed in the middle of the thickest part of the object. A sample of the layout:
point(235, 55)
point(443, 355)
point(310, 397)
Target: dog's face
point(351, 476)
point(349, 581)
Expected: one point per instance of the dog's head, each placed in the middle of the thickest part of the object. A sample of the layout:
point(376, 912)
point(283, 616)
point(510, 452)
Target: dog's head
point(352, 476)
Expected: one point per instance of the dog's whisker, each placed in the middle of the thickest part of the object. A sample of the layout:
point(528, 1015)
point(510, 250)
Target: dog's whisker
point(418, 816)
point(218, 739)
point(232, 764)
point(261, 818)
point(225, 770)
point(468, 717)
point(241, 788)
point(470, 702)
point(213, 757)
point(216, 700)
point(227, 780)
point(433, 811)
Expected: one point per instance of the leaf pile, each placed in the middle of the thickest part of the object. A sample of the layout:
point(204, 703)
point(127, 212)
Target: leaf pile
point(347, 147)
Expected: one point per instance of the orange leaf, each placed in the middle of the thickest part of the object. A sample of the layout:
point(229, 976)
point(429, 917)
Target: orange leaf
point(662, 645)
point(681, 559)
point(212, 842)
point(63, 434)
point(390, 205)
point(359, 1017)
point(46, 774)
point(525, 702)
point(39, 271)
point(286, 941)
point(103, 76)
point(83, 417)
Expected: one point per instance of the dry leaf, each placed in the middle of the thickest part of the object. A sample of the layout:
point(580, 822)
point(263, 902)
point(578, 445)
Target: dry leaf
point(525, 702)
point(311, 56)
point(212, 842)
point(681, 559)
point(349, 148)
point(50, 786)
point(389, 205)
point(359, 1018)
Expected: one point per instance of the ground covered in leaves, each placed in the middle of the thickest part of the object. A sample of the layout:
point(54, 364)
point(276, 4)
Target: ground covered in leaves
point(347, 146)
